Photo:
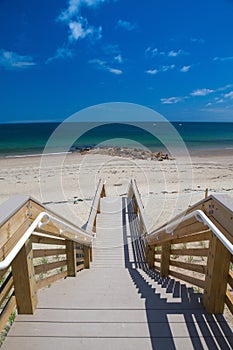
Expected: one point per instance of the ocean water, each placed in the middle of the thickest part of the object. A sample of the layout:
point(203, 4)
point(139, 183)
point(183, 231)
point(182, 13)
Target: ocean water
point(31, 138)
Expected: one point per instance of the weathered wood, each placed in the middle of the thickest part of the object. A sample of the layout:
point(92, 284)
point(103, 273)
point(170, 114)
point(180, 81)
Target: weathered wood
point(150, 256)
point(79, 251)
point(91, 254)
point(24, 280)
point(80, 267)
point(203, 236)
point(43, 268)
point(7, 311)
point(225, 231)
point(6, 288)
point(80, 259)
point(189, 266)
point(178, 232)
point(192, 280)
point(71, 258)
point(157, 260)
point(38, 253)
point(14, 238)
point(13, 224)
point(165, 257)
point(230, 279)
point(216, 276)
point(3, 272)
point(229, 301)
point(51, 279)
point(48, 240)
point(190, 251)
point(86, 251)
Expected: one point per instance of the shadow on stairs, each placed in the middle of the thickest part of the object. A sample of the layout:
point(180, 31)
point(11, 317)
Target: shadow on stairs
point(175, 314)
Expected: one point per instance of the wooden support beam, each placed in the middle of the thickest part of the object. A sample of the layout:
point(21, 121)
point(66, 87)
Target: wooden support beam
point(71, 258)
point(150, 256)
point(87, 257)
point(91, 254)
point(24, 280)
point(216, 276)
point(165, 257)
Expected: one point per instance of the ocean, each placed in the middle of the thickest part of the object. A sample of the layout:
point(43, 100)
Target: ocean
point(30, 139)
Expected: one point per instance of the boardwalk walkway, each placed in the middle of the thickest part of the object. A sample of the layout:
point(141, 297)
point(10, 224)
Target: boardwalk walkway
point(118, 303)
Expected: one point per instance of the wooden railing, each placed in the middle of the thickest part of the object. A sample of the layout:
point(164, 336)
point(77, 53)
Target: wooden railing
point(95, 208)
point(137, 207)
point(192, 252)
point(53, 250)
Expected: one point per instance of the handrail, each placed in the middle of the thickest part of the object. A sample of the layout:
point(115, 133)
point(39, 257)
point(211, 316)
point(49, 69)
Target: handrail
point(133, 186)
point(200, 216)
point(79, 237)
point(95, 206)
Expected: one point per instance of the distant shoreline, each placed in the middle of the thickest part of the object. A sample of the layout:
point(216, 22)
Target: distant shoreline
point(125, 152)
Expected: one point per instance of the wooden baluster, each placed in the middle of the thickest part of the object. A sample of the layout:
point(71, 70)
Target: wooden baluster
point(165, 258)
point(87, 257)
point(71, 258)
point(216, 276)
point(150, 256)
point(24, 280)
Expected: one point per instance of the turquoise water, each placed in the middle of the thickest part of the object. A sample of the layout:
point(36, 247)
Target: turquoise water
point(27, 139)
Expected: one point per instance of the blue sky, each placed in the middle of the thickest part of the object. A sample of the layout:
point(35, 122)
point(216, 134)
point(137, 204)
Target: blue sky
point(58, 57)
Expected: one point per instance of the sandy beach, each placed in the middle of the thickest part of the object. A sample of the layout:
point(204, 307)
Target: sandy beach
point(67, 183)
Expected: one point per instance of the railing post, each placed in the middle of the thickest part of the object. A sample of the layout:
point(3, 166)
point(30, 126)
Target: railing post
point(150, 256)
point(216, 276)
point(87, 257)
point(165, 258)
point(24, 280)
point(71, 258)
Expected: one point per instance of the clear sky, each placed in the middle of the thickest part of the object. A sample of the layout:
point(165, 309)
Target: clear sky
point(60, 56)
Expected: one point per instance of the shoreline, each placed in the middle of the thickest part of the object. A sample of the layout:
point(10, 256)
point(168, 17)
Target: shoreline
point(124, 151)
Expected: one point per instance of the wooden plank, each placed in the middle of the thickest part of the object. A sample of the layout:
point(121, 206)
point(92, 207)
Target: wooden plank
point(194, 228)
point(216, 276)
point(189, 266)
point(13, 224)
point(51, 279)
point(79, 251)
point(7, 311)
point(192, 280)
point(47, 240)
point(71, 258)
point(190, 251)
point(165, 257)
point(80, 259)
point(203, 236)
point(230, 279)
point(226, 233)
point(6, 288)
point(38, 253)
point(24, 280)
point(229, 301)
point(80, 267)
point(43, 268)
point(157, 260)
point(14, 238)
point(3, 272)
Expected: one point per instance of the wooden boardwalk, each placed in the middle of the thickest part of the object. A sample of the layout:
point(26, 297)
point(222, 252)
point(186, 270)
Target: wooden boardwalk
point(118, 303)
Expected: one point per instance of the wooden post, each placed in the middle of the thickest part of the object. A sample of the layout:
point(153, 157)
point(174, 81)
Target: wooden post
point(91, 256)
point(71, 258)
point(216, 276)
point(150, 256)
point(206, 192)
point(165, 258)
point(24, 280)
point(87, 259)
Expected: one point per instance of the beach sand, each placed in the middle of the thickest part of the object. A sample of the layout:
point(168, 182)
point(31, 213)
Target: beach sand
point(67, 183)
